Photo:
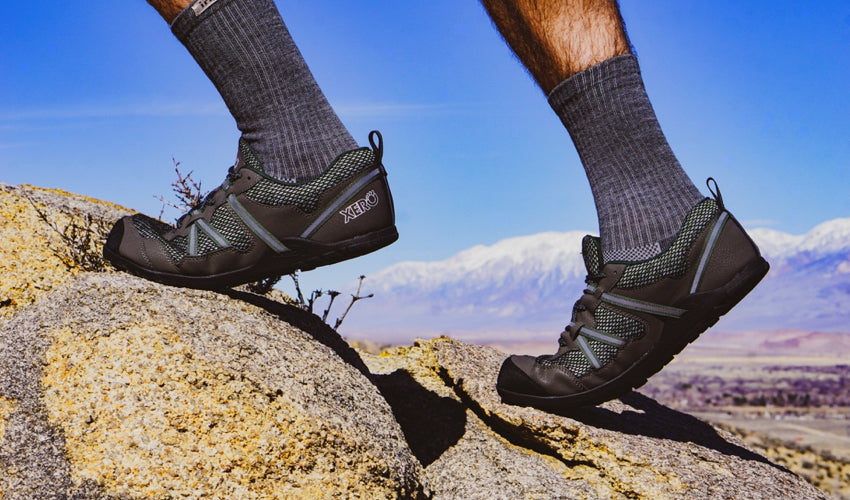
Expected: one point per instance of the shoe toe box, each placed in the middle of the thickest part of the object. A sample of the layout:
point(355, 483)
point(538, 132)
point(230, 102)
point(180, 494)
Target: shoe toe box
point(113, 240)
point(515, 376)
point(531, 377)
point(128, 249)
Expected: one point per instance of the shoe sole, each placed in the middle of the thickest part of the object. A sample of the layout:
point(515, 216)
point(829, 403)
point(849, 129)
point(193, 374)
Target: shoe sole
point(704, 310)
point(303, 255)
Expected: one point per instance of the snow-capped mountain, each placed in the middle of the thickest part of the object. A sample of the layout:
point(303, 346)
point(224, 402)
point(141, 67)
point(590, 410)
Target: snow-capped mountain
point(523, 258)
point(528, 284)
point(831, 237)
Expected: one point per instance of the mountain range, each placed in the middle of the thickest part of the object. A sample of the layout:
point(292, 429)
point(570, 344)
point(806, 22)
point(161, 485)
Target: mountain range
point(525, 287)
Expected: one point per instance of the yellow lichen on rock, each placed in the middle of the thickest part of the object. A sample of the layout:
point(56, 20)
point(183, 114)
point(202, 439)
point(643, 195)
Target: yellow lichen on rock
point(31, 263)
point(142, 416)
point(7, 406)
point(27, 267)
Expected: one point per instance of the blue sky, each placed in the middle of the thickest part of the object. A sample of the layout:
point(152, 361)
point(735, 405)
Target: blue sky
point(97, 98)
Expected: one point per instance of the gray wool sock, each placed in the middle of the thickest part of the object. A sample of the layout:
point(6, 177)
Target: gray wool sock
point(246, 50)
point(642, 194)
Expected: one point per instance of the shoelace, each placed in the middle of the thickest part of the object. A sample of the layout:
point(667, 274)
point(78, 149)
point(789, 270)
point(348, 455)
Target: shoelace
point(232, 175)
point(568, 336)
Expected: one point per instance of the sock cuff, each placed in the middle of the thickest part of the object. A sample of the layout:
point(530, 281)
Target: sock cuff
point(195, 14)
point(620, 71)
point(641, 192)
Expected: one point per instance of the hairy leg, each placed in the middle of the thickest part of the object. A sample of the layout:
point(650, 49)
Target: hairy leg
point(556, 39)
point(648, 208)
point(579, 53)
point(169, 9)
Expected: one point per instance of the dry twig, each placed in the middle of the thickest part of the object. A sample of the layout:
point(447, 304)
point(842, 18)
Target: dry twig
point(354, 298)
point(308, 305)
point(187, 192)
point(299, 296)
point(264, 286)
point(333, 294)
point(81, 239)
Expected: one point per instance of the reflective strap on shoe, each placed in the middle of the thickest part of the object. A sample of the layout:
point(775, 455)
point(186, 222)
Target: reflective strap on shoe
point(643, 306)
point(602, 337)
point(219, 240)
point(193, 240)
point(257, 228)
point(340, 201)
point(588, 352)
point(713, 236)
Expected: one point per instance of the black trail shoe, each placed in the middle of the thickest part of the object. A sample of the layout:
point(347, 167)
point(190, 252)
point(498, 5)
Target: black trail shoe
point(254, 226)
point(635, 316)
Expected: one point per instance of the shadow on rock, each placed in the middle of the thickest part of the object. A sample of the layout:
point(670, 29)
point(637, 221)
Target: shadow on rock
point(652, 419)
point(431, 424)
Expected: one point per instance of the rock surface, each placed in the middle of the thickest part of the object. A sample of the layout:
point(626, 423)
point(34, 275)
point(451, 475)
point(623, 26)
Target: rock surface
point(629, 448)
point(153, 391)
point(32, 252)
point(114, 387)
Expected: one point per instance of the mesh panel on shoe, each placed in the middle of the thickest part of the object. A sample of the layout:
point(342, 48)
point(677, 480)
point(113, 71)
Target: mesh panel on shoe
point(608, 321)
point(152, 229)
point(205, 243)
point(149, 228)
point(604, 352)
point(592, 254)
point(574, 361)
point(617, 324)
point(672, 262)
point(305, 196)
point(633, 254)
point(178, 248)
point(227, 225)
point(246, 154)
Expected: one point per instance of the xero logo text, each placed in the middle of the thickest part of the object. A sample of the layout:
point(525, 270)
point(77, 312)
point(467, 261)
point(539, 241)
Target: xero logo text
point(360, 206)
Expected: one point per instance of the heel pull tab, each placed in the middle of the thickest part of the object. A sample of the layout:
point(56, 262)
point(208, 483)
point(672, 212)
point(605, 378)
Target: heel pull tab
point(715, 191)
point(377, 147)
